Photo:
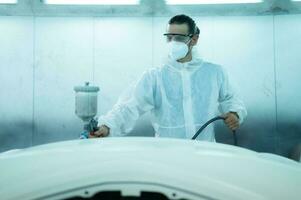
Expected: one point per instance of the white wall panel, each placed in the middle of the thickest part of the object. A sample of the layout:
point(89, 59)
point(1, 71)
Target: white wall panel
point(160, 50)
point(64, 59)
point(16, 60)
point(288, 76)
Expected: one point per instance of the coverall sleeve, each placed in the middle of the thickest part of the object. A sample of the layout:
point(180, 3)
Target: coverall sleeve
point(229, 100)
point(135, 101)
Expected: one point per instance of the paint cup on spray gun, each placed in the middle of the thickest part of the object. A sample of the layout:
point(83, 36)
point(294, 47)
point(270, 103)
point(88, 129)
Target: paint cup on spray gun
point(86, 107)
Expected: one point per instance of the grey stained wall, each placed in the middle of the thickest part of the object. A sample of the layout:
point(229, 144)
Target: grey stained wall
point(42, 58)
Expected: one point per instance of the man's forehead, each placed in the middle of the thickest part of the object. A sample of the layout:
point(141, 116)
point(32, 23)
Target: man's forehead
point(177, 28)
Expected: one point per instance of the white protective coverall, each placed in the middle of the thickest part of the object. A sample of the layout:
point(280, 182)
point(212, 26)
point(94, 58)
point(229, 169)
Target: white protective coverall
point(181, 98)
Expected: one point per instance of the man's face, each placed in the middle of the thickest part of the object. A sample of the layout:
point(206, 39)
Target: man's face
point(180, 32)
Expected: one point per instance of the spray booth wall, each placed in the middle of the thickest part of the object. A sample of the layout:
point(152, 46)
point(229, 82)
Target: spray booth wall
point(43, 58)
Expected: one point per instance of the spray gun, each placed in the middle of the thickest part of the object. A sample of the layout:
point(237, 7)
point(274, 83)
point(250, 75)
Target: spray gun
point(86, 108)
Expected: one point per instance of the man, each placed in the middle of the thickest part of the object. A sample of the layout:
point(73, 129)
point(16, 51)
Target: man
point(181, 95)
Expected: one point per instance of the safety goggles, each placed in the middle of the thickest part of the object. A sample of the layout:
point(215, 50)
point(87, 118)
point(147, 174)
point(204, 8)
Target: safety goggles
point(177, 37)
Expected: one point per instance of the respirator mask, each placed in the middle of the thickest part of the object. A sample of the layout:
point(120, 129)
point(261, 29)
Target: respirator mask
point(178, 45)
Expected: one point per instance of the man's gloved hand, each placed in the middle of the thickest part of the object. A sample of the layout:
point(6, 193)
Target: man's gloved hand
point(231, 120)
point(103, 131)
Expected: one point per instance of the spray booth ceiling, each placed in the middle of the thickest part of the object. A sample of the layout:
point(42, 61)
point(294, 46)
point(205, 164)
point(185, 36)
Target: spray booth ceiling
point(150, 8)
